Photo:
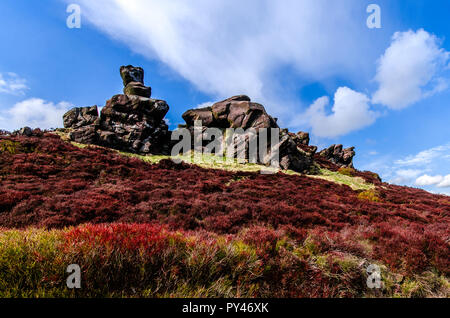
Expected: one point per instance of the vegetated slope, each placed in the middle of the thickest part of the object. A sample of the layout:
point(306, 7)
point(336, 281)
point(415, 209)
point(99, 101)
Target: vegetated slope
point(46, 182)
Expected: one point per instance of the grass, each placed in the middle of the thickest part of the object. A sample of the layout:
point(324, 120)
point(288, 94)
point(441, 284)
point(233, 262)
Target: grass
point(344, 176)
point(356, 183)
point(119, 260)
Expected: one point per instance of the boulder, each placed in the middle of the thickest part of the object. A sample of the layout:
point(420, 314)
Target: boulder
point(302, 138)
point(133, 123)
point(136, 88)
point(339, 156)
point(84, 135)
point(133, 81)
point(131, 74)
point(292, 156)
point(240, 112)
point(80, 116)
point(25, 131)
point(234, 112)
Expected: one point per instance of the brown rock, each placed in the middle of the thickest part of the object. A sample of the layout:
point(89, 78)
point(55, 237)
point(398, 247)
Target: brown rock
point(80, 116)
point(339, 156)
point(131, 74)
point(136, 88)
point(234, 112)
point(240, 112)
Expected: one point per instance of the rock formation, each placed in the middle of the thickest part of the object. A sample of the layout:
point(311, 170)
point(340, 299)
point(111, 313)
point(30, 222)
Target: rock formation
point(240, 112)
point(234, 112)
point(134, 122)
point(339, 156)
point(133, 81)
point(80, 116)
point(131, 122)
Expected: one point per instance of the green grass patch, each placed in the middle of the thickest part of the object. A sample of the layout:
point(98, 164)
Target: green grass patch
point(356, 183)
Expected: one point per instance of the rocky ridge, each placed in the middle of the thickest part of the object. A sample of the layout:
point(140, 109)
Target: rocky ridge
point(134, 122)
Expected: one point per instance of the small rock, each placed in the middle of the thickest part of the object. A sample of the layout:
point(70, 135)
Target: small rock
point(25, 131)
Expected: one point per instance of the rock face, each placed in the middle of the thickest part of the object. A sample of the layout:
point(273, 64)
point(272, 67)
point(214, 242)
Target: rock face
point(339, 156)
point(80, 116)
point(135, 124)
point(133, 81)
point(234, 112)
point(240, 112)
point(131, 122)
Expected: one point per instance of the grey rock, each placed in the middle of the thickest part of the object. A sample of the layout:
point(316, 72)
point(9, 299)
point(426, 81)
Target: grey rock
point(80, 116)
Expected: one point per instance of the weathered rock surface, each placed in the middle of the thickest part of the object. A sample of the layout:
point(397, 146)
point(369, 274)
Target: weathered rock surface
point(80, 116)
point(339, 156)
point(25, 131)
point(131, 73)
point(131, 122)
point(135, 124)
point(240, 112)
point(234, 112)
point(133, 81)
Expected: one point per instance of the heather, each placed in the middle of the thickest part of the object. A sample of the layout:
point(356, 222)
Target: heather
point(167, 229)
point(141, 260)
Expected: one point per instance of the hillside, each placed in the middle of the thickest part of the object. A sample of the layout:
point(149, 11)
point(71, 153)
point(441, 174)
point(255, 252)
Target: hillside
point(167, 229)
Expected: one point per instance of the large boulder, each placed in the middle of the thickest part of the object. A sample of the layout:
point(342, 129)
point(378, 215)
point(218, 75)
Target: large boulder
point(80, 116)
point(234, 112)
point(133, 123)
point(339, 156)
point(240, 112)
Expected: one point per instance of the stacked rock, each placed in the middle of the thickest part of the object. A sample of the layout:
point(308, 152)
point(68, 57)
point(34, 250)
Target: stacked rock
point(131, 122)
point(133, 81)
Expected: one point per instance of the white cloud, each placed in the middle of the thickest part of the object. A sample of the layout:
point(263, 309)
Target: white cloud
point(36, 113)
point(439, 181)
point(445, 183)
point(350, 112)
point(230, 47)
point(205, 104)
point(11, 83)
point(405, 176)
point(427, 180)
point(410, 69)
point(424, 157)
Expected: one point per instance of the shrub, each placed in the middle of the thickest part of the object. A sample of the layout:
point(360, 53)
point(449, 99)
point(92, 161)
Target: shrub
point(59, 185)
point(369, 195)
point(347, 171)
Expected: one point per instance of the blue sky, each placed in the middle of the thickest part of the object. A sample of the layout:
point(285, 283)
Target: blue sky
point(313, 64)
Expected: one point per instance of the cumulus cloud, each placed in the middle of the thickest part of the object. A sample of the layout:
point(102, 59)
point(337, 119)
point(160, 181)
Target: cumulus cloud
point(230, 47)
point(350, 112)
point(405, 176)
point(410, 69)
point(36, 113)
point(427, 180)
point(445, 183)
point(439, 181)
point(11, 83)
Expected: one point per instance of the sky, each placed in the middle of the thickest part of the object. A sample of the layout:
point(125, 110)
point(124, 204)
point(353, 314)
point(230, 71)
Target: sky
point(313, 64)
